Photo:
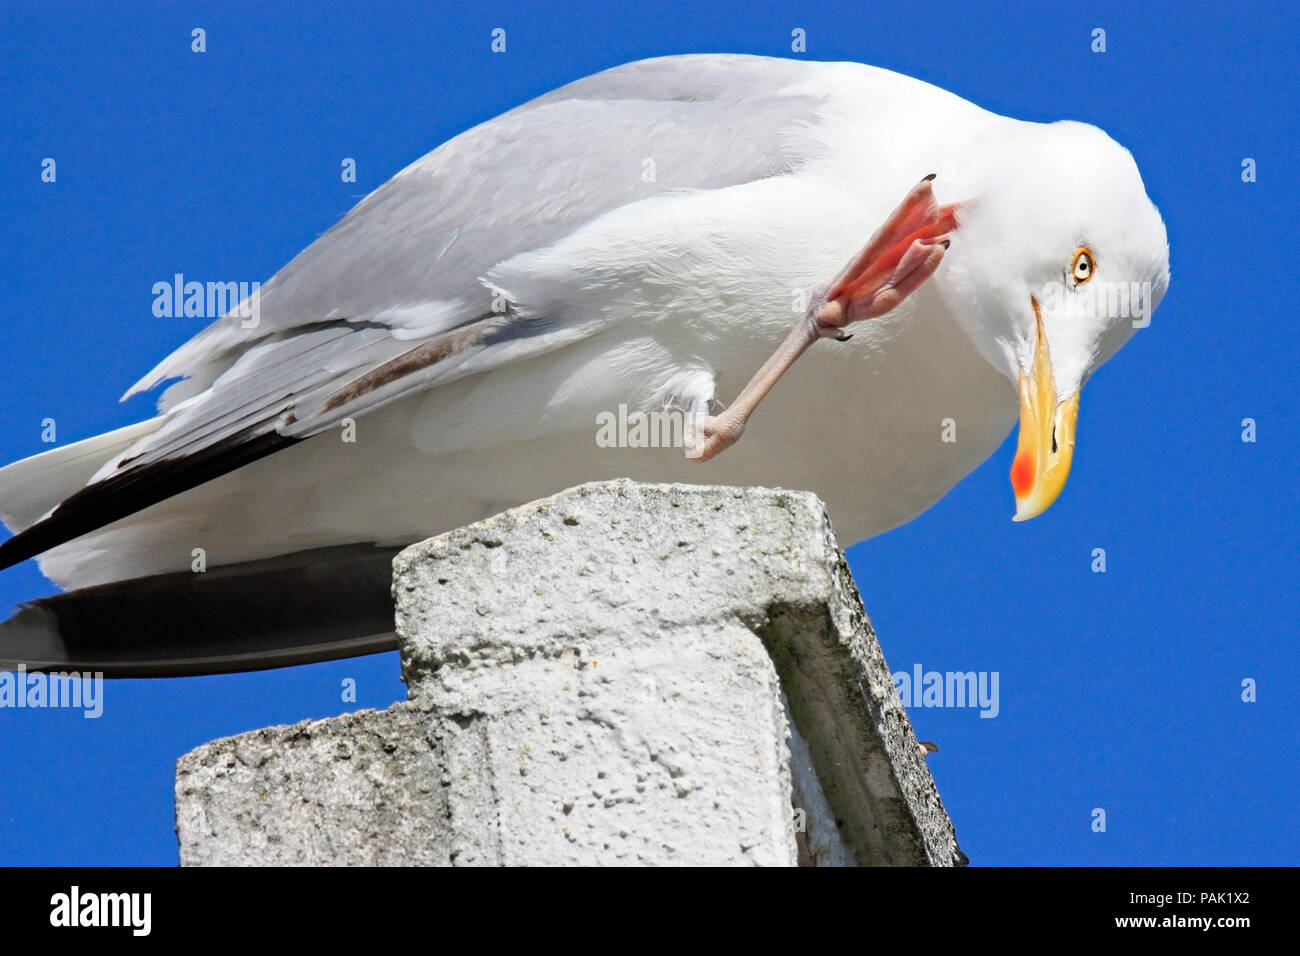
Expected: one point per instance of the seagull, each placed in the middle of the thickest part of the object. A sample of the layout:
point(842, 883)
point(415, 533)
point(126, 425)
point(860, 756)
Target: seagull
point(839, 278)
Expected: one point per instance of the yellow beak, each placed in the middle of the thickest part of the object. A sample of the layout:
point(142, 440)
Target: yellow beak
point(1046, 444)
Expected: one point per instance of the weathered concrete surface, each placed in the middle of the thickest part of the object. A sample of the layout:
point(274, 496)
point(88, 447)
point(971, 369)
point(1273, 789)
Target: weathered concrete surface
point(594, 679)
point(363, 789)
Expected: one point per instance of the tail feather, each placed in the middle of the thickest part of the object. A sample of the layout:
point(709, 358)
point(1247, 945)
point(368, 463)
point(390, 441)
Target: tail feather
point(308, 606)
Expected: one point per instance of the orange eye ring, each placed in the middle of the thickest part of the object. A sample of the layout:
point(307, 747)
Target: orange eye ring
point(1084, 266)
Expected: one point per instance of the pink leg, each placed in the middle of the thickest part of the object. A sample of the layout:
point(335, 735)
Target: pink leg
point(903, 253)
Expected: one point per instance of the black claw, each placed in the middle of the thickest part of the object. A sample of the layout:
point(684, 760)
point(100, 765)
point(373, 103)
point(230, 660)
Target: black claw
point(929, 178)
point(843, 338)
point(946, 243)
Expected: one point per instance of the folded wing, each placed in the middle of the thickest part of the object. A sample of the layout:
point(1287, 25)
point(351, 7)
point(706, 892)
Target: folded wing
point(400, 296)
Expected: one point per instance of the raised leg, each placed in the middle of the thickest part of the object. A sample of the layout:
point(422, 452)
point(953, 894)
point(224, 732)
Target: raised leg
point(903, 253)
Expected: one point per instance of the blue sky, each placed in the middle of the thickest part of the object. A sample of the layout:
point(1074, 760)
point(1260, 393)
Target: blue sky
point(1119, 691)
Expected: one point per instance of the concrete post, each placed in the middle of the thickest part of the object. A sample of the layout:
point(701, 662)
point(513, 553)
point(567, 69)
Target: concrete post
point(619, 674)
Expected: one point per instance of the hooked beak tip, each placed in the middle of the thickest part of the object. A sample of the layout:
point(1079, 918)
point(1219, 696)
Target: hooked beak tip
point(1046, 445)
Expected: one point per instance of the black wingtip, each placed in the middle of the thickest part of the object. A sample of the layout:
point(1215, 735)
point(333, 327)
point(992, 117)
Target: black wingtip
point(135, 489)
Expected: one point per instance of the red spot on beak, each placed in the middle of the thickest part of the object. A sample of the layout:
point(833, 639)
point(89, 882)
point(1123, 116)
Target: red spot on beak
point(1022, 474)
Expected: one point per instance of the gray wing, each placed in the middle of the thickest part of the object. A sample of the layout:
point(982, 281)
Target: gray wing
point(409, 259)
point(393, 298)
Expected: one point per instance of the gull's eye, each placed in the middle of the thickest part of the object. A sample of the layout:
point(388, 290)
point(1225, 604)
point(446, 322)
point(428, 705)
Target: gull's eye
point(1083, 267)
